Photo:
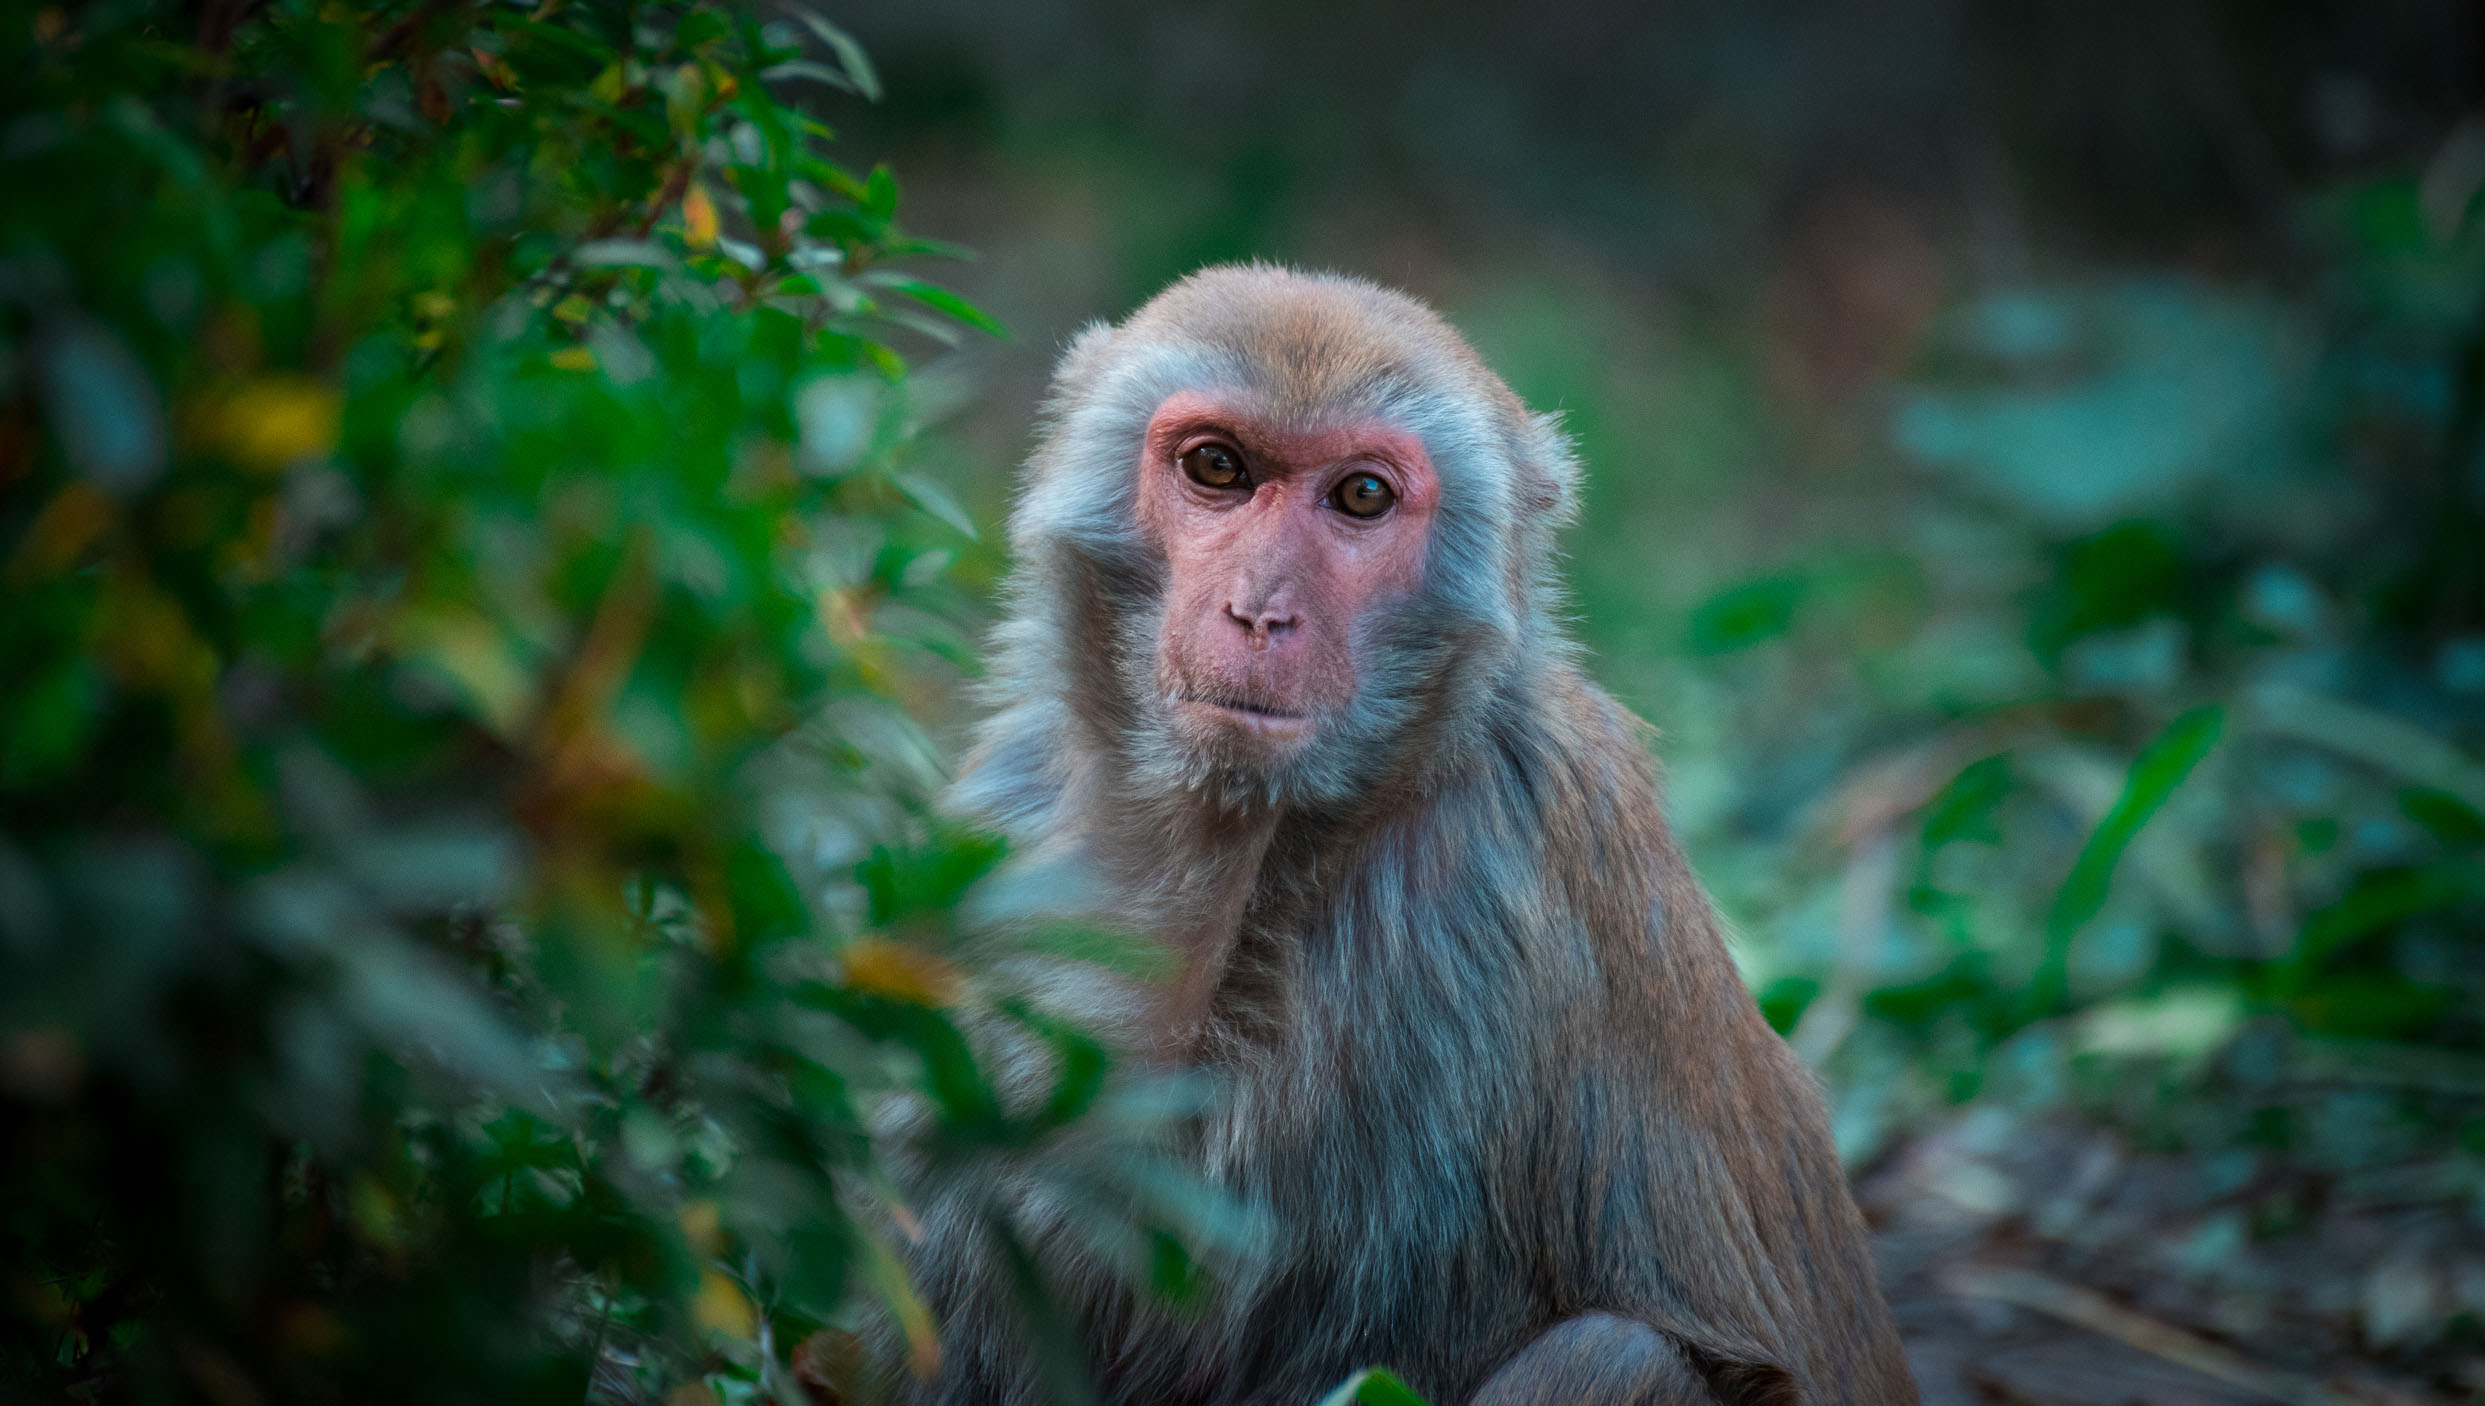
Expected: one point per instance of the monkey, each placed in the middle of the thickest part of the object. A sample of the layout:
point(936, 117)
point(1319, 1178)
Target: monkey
point(1283, 682)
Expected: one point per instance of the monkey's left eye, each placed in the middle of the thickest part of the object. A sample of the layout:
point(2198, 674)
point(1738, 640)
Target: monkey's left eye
point(1363, 495)
point(1214, 465)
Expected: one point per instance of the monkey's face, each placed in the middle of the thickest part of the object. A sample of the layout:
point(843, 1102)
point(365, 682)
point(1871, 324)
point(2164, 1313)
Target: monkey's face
point(1283, 544)
point(1284, 538)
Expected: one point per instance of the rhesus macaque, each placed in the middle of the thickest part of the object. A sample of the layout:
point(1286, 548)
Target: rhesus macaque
point(1285, 685)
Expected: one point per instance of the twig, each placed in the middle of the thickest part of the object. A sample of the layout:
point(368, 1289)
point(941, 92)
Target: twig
point(2400, 1066)
point(595, 1353)
point(2378, 739)
point(2085, 1308)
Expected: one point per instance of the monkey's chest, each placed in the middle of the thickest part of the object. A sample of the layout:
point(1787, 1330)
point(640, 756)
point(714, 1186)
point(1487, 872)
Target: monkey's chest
point(1378, 1191)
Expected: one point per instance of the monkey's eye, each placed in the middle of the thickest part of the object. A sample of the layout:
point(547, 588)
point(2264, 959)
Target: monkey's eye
point(1214, 465)
point(1363, 495)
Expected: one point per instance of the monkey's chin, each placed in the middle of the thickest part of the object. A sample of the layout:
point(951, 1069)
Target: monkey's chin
point(1268, 731)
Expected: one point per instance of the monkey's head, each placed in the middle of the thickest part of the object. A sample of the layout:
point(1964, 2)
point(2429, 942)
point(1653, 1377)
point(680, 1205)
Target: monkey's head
point(1268, 514)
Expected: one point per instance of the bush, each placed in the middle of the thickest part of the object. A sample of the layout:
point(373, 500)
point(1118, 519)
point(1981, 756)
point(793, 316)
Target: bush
point(461, 597)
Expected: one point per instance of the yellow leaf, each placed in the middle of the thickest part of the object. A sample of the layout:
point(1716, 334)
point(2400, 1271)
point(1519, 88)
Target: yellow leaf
point(276, 421)
point(685, 97)
point(900, 971)
point(887, 1275)
point(574, 359)
point(250, 554)
point(493, 68)
point(476, 656)
point(432, 311)
point(701, 1226)
point(607, 87)
point(311, 1330)
point(146, 635)
point(374, 1213)
point(906, 1220)
point(698, 217)
point(722, 1308)
point(574, 308)
point(74, 517)
point(847, 614)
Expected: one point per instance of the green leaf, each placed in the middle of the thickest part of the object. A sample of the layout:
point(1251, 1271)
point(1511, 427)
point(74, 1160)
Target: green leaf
point(1783, 1001)
point(1746, 615)
point(2161, 767)
point(933, 497)
point(1373, 1386)
point(850, 55)
point(846, 226)
point(807, 70)
point(2372, 736)
point(905, 881)
point(2451, 819)
point(916, 246)
point(2383, 899)
point(565, 38)
point(179, 158)
point(1101, 947)
point(879, 198)
point(1964, 809)
point(700, 28)
point(939, 299)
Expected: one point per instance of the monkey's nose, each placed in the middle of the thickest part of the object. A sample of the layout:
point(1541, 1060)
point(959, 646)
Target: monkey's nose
point(1264, 624)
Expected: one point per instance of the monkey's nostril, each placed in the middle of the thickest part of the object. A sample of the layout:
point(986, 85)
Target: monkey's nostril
point(1262, 623)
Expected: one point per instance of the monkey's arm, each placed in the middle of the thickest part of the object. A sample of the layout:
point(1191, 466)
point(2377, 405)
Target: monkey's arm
point(1597, 1359)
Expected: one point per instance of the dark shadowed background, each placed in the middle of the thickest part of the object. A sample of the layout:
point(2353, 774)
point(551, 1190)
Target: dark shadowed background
point(2033, 485)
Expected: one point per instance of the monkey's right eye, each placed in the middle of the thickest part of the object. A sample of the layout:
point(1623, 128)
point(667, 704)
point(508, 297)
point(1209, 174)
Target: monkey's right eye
point(1214, 465)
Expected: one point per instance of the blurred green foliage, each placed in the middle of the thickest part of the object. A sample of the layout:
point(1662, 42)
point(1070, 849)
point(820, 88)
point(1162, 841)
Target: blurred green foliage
point(2168, 727)
point(465, 867)
point(2097, 724)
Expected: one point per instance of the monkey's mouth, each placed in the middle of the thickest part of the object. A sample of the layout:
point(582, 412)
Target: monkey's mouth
point(1257, 718)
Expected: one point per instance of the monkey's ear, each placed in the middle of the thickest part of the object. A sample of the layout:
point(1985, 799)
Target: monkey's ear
point(1549, 468)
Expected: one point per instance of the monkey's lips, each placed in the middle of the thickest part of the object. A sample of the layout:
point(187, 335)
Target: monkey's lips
point(1254, 718)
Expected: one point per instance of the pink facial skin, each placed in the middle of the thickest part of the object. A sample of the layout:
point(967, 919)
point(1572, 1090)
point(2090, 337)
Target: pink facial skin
point(1265, 583)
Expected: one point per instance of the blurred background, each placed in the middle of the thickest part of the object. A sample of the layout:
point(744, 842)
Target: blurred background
point(494, 526)
point(2034, 486)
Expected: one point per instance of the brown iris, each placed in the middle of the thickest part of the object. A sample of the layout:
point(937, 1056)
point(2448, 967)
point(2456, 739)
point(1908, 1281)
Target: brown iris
point(1363, 495)
point(1214, 465)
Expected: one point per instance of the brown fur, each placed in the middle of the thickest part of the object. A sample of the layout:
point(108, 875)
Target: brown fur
point(1484, 1066)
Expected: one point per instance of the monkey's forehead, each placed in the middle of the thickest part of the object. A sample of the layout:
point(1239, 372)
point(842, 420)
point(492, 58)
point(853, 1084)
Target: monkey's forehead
point(1305, 347)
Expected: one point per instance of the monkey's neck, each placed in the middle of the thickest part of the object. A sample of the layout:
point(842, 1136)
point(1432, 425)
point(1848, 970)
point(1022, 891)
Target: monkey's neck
point(1187, 873)
point(1218, 886)
point(1194, 867)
